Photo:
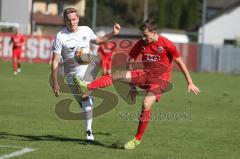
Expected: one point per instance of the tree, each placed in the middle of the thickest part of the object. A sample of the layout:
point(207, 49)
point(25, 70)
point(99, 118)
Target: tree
point(190, 14)
point(175, 14)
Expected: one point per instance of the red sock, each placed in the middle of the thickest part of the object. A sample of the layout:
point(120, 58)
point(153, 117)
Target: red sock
point(143, 122)
point(101, 82)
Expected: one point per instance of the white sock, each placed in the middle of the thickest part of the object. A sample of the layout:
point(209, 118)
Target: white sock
point(87, 108)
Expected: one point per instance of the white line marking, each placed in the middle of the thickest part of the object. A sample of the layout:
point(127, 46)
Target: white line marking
point(8, 146)
point(16, 153)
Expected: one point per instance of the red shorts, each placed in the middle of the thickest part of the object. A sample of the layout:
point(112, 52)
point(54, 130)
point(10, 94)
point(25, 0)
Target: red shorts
point(155, 85)
point(106, 64)
point(17, 52)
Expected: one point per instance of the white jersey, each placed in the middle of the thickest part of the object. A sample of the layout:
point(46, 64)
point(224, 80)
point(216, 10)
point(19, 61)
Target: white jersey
point(67, 43)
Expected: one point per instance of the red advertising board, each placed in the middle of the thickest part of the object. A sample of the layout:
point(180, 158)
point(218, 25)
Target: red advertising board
point(38, 49)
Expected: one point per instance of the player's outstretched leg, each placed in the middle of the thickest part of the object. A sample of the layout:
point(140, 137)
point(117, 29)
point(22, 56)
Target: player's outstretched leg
point(101, 82)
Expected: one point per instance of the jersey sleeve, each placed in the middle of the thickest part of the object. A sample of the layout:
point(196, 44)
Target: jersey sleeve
point(136, 50)
point(91, 34)
point(173, 50)
point(57, 45)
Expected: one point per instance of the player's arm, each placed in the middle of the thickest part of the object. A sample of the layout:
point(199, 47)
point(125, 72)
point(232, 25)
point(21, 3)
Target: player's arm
point(54, 74)
point(105, 38)
point(182, 66)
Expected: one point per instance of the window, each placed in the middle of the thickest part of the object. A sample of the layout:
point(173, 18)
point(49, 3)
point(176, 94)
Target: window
point(230, 42)
point(6, 27)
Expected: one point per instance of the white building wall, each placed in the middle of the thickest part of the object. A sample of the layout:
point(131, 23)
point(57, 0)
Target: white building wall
point(226, 26)
point(17, 11)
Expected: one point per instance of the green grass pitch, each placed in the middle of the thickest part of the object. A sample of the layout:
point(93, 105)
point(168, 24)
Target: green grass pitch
point(206, 126)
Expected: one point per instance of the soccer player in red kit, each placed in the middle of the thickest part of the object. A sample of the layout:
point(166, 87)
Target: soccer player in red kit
point(17, 41)
point(105, 51)
point(158, 53)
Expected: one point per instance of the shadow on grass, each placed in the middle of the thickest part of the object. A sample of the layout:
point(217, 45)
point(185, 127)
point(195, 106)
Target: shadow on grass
point(102, 133)
point(106, 144)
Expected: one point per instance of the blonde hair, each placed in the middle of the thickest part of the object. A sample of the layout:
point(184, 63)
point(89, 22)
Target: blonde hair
point(68, 11)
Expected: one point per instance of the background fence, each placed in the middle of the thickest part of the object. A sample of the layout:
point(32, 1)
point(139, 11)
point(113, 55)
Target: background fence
point(208, 58)
point(222, 59)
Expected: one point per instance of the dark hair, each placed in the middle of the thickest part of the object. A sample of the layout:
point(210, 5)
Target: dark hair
point(68, 11)
point(148, 24)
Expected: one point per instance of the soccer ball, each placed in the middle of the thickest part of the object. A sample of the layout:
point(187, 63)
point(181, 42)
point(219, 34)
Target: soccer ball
point(83, 58)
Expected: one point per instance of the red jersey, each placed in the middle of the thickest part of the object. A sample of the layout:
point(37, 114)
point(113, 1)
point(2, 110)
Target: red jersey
point(106, 50)
point(17, 40)
point(156, 57)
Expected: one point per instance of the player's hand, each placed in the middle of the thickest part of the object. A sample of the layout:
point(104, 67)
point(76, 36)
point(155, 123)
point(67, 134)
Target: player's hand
point(79, 52)
point(116, 28)
point(133, 93)
point(56, 89)
point(193, 88)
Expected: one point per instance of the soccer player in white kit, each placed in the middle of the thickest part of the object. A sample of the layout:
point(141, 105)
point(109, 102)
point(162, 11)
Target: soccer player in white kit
point(66, 43)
